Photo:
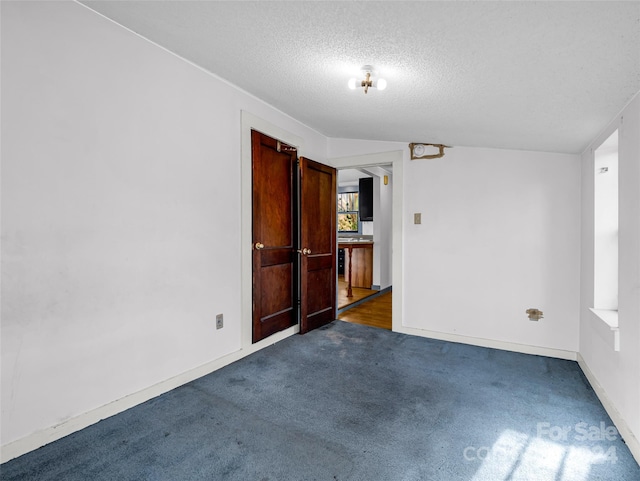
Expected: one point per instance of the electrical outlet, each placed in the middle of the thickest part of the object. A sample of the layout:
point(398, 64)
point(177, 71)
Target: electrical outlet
point(417, 218)
point(219, 321)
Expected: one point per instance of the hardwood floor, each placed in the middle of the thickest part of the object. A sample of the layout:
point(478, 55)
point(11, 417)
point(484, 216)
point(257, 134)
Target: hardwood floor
point(375, 312)
point(358, 293)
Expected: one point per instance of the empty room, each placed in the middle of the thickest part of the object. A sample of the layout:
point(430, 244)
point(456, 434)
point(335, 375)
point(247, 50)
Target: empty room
point(176, 237)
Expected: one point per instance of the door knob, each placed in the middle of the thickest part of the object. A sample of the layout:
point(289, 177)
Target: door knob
point(258, 246)
point(304, 251)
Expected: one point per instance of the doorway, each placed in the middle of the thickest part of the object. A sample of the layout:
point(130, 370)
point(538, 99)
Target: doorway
point(395, 158)
point(365, 245)
point(293, 239)
point(250, 121)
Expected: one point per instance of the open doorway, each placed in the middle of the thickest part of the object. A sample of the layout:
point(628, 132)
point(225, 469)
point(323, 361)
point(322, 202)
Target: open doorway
point(365, 228)
point(396, 158)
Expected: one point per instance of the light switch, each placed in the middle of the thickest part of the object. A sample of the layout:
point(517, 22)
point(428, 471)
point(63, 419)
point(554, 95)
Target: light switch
point(417, 218)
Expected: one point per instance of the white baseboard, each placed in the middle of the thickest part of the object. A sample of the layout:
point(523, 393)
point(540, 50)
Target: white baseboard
point(45, 436)
point(503, 345)
point(40, 438)
point(632, 442)
point(618, 420)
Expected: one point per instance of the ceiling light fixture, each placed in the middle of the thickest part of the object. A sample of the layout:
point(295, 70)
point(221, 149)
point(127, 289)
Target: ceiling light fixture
point(368, 81)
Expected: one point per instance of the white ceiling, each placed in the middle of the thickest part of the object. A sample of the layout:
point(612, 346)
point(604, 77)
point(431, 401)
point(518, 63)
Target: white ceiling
point(544, 76)
point(350, 176)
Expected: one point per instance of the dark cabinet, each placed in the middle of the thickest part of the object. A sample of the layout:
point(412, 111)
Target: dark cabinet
point(365, 189)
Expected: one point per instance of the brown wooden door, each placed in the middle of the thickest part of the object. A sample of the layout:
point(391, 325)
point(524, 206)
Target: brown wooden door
point(275, 279)
point(318, 244)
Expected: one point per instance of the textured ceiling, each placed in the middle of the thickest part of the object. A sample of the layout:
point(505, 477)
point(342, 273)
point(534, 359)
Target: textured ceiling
point(542, 76)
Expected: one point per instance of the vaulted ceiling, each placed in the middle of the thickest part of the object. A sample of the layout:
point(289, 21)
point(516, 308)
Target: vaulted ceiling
point(544, 76)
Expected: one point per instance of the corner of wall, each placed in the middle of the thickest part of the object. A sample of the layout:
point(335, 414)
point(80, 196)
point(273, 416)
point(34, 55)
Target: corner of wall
point(623, 428)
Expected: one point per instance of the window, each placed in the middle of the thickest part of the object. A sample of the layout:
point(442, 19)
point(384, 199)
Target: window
point(605, 293)
point(348, 212)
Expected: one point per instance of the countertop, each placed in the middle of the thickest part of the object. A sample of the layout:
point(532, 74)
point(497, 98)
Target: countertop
point(354, 240)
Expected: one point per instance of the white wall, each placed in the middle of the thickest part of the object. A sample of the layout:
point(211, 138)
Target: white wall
point(338, 148)
point(615, 372)
point(121, 192)
point(382, 227)
point(386, 232)
point(498, 236)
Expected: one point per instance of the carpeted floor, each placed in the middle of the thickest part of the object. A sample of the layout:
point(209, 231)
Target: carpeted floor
point(350, 402)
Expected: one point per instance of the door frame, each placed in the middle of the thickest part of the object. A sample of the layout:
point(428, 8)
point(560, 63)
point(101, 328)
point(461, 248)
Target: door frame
point(396, 158)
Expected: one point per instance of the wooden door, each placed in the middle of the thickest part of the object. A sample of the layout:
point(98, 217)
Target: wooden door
point(275, 277)
point(318, 244)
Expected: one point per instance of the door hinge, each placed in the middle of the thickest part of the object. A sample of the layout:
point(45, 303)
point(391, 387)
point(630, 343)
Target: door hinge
point(281, 147)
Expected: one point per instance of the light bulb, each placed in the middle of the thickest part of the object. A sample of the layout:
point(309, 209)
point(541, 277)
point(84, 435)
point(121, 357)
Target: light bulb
point(382, 84)
point(352, 83)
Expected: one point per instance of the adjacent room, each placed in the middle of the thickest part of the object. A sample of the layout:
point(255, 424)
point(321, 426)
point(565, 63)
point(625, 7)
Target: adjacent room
point(365, 224)
point(335, 240)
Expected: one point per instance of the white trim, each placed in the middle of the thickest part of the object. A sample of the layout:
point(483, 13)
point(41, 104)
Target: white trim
point(53, 433)
point(492, 343)
point(610, 318)
point(40, 438)
point(395, 158)
point(630, 440)
point(45, 436)
point(611, 127)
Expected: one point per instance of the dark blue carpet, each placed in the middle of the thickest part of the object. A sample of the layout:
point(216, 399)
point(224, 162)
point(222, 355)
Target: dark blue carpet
point(349, 402)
